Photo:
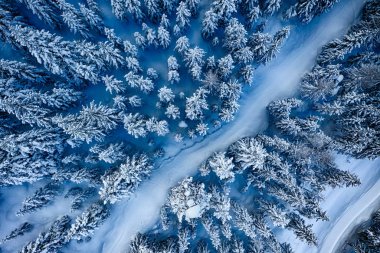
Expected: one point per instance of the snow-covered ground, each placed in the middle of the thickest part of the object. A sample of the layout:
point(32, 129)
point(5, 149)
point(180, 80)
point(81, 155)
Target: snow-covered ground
point(357, 212)
point(276, 80)
point(346, 208)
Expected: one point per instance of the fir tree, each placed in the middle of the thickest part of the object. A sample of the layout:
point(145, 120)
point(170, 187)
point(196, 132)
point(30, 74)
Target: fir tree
point(123, 182)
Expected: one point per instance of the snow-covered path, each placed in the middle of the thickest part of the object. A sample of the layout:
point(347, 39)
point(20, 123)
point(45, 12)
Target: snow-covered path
point(346, 208)
point(278, 79)
point(354, 215)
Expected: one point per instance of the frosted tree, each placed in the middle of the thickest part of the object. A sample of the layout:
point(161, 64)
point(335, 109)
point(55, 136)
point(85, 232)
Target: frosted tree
point(364, 32)
point(307, 10)
point(118, 8)
point(112, 37)
point(194, 60)
point(140, 40)
point(182, 45)
point(194, 57)
point(135, 125)
point(224, 8)
point(235, 35)
point(278, 40)
point(31, 106)
point(153, 8)
point(303, 231)
point(225, 66)
point(51, 240)
point(165, 22)
point(110, 154)
point(121, 183)
point(163, 37)
point(183, 15)
point(79, 196)
point(244, 221)
point(92, 122)
point(247, 73)
point(43, 9)
point(173, 66)
point(109, 55)
point(73, 18)
point(248, 153)
point(189, 200)
point(221, 204)
point(165, 94)
point(202, 129)
point(160, 127)
point(22, 72)
point(41, 198)
point(85, 224)
point(92, 17)
point(150, 35)
point(222, 166)
point(172, 112)
point(193, 6)
point(275, 213)
point(213, 231)
point(230, 90)
point(133, 64)
point(133, 7)
point(178, 138)
point(209, 24)
point(113, 84)
point(140, 244)
point(144, 84)
point(271, 6)
point(56, 55)
point(29, 156)
point(135, 101)
point(19, 231)
point(320, 83)
point(196, 104)
point(130, 49)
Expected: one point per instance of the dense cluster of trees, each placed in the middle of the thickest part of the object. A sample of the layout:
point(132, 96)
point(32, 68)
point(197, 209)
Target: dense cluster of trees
point(285, 171)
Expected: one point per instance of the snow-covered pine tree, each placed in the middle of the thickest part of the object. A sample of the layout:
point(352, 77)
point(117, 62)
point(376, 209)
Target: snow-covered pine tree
point(189, 200)
point(19, 231)
point(248, 153)
point(43, 9)
point(222, 166)
point(196, 104)
point(135, 124)
point(183, 15)
point(302, 231)
point(235, 35)
point(41, 198)
point(58, 56)
point(209, 24)
point(110, 154)
point(122, 182)
point(29, 156)
point(51, 240)
point(92, 122)
point(85, 224)
point(73, 18)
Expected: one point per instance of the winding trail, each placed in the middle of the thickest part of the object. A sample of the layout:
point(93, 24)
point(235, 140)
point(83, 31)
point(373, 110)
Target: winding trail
point(354, 215)
point(276, 80)
point(346, 208)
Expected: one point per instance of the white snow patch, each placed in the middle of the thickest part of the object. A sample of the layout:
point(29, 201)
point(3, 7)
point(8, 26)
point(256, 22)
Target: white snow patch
point(193, 212)
point(182, 124)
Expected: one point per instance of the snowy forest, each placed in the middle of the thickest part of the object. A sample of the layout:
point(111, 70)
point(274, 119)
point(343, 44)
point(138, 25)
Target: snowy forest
point(165, 126)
